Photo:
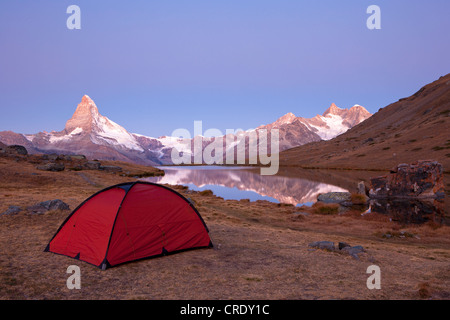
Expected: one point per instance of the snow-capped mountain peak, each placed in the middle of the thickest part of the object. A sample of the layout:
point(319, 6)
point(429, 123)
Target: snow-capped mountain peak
point(101, 130)
point(286, 119)
point(333, 110)
point(335, 121)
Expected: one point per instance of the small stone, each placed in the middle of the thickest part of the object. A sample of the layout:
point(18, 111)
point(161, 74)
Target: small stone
point(45, 206)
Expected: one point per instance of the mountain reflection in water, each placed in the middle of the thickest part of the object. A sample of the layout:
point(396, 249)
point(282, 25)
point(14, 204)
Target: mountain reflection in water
point(238, 183)
point(298, 186)
point(413, 211)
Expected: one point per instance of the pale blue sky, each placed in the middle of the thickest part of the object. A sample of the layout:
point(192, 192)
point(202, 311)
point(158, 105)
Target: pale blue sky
point(155, 66)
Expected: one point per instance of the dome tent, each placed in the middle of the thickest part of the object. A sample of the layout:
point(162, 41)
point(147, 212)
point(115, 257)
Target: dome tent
point(128, 222)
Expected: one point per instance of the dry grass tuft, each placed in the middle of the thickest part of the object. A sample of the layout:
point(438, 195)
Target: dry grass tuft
point(424, 290)
point(206, 193)
point(358, 199)
point(325, 208)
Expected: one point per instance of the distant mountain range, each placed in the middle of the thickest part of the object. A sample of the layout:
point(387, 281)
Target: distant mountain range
point(97, 137)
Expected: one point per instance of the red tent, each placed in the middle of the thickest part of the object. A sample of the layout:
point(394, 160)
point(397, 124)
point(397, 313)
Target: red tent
point(130, 221)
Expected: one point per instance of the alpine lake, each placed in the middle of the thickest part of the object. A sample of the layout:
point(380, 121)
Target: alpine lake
point(299, 187)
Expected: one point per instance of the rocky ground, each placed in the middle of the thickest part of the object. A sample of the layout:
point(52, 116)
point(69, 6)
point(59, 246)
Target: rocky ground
point(262, 250)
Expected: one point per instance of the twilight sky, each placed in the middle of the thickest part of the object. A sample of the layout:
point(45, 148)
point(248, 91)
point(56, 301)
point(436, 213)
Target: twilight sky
point(155, 66)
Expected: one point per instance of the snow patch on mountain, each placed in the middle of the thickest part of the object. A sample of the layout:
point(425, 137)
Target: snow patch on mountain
point(53, 138)
point(333, 127)
point(29, 137)
point(112, 133)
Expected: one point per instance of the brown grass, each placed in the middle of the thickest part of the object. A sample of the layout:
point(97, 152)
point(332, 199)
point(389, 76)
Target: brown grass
point(424, 290)
point(325, 208)
point(358, 198)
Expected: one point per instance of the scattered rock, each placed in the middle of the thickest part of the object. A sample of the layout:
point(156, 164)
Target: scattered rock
point(342, 245)
point(368, 140)
point(52, 157)
point(325, 245)
point(398, 234)
point(12, 210)
point(113, 169)
point(92, 165)
point(51, 166)
point(361, 188)
point(54, 205)
point(346, 203)
point(421, 179)
point(76, 167)
point(45, 206)
point(353, 251)
point(334, 197)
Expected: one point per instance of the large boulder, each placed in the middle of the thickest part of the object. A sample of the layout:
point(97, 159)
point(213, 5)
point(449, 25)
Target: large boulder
point(51, 166)
point(16, 149)
point(92, 165)
point(334, 197)
point(420, 179)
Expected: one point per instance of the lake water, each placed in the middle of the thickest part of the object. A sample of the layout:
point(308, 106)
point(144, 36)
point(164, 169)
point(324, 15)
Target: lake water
point(294, 186)
point(239, 183)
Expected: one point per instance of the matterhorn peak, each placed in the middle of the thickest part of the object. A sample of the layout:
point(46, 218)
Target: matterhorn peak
point(86, 99)
point(101, 130)
point(87, 105)
point(84, 115)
